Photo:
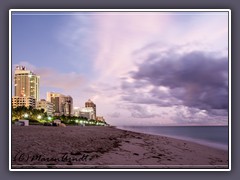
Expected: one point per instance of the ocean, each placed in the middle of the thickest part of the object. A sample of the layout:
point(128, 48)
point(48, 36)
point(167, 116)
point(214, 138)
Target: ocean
point(213, 136)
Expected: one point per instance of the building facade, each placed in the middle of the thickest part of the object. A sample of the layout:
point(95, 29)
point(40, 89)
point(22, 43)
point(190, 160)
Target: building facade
point(62, 105)
point(76, 111)
point(68, 106)
point(26, 83)
point(100, 118)
point(47, 106)
point(57, 100)
point(23, 101)
point(90, 104)
point(87, 112)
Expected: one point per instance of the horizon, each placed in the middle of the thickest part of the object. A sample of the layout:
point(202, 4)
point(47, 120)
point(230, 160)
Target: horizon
point(174, 125)
point(143, 69)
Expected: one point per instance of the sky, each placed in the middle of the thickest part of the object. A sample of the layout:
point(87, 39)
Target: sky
point(139, 68)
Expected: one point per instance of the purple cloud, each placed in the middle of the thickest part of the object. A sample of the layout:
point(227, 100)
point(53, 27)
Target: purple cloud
point(193, 79)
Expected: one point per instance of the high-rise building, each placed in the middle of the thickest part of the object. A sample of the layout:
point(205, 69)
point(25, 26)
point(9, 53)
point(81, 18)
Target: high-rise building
point(89, 103)
point(47, 106)
point(76, 111)
point(62, 105)
point(57, 99)
point(68, 106)
point(26, 83)
point(23, 101)
point(87, 112)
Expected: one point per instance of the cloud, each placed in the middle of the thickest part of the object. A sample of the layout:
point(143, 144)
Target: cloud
point(142, 92)
point(141, 112)
point(66, 81)
point(114, 115)
point(194, 116)
point(118, 35)
point(138, 111)
point(136, 50)
point(195, 80)
point(53, 79)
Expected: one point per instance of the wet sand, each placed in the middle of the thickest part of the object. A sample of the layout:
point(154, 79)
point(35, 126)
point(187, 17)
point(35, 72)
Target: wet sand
point(107, 147)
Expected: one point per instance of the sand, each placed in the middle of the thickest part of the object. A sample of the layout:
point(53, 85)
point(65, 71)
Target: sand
point(107, 147)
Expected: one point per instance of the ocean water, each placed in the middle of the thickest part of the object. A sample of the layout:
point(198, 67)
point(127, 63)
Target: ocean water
point(213, 136)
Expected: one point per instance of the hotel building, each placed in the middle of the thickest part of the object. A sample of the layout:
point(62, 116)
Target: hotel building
point(89, 104)
point(47, 106)
point(26, 88)
point(62, 105)
point(26, 83)
point(76, 111)
point(23, 101)
point(68, 106)
point(87, 112)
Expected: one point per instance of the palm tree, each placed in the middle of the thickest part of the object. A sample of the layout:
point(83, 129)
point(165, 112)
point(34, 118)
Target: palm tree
point(18, 112)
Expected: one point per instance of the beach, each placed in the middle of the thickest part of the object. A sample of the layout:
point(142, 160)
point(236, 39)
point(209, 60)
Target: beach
point(107, 147)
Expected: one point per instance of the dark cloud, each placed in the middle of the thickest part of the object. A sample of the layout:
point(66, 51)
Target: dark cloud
point(195, 80)
point(154, 96)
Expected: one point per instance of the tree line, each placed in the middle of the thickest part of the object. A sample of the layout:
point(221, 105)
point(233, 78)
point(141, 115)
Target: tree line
point(39, 116)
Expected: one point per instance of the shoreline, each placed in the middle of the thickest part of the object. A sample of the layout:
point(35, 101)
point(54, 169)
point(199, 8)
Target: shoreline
point(107, 147)
point(214, 145)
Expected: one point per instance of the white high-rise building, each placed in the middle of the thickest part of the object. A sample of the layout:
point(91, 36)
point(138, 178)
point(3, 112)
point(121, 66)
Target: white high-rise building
point(87, 112)
point(76, 111)
point(89, 104)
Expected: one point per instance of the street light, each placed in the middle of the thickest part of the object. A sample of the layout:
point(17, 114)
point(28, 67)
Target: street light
point(49, 118)
point(39, 117)
point(25, 115)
